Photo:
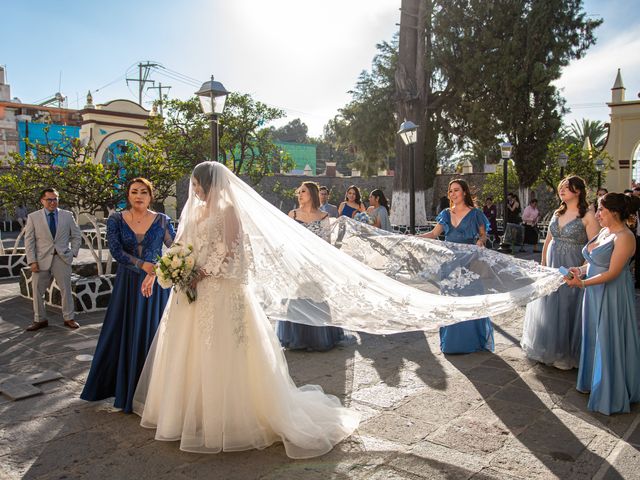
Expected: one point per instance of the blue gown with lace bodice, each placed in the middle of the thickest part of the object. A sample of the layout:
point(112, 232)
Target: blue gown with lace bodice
point(296, 336)
point(610, 356)
point(131, 320)
point(552, 331)
point(473, 335)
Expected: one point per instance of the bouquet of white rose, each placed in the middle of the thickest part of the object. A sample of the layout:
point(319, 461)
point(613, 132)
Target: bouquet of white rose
point(176, 269)
point(363, 217)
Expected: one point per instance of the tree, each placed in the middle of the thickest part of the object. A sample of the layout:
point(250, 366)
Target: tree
point(494, 183)
point(295, 131)
point(500, 60)
point(578, 131)
point(246, 144)
point(580, 162)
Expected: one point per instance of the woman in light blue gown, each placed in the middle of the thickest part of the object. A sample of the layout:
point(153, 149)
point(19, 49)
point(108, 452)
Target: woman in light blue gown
point(463, 223)
point(552, 332)
point(610, 357)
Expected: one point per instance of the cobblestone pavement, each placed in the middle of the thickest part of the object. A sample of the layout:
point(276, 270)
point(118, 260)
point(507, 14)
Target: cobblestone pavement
point(425, 415)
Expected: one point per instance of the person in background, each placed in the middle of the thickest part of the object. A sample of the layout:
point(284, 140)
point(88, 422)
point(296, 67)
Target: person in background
point(636, 230)
point(609, 369)
point(135, 237)
point(552, 330)
point(530, 219)
point(325, 206)
point(442, 204)
point(379, 210)
point(52, 239)
point(491, 212)
point(601, 193)
point(352, 203)
point(628, 192)
point(21, 215)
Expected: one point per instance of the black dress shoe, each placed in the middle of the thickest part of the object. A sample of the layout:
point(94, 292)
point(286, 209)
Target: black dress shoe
point(37, 326)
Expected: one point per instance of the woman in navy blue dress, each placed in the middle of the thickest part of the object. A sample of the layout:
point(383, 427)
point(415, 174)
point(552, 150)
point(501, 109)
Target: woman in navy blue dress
point(135, 238)
point(463, 223)
point(352, 203)
point(296, 336)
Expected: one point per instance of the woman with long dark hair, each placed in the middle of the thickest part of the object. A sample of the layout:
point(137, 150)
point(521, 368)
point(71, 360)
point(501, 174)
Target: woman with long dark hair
point(609, 362)
point(552, 331)
point(352, 203)
point(295, 336)
point(379, 210)
point(463, 223)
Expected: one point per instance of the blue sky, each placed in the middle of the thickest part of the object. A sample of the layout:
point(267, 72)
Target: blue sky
point(299, 55)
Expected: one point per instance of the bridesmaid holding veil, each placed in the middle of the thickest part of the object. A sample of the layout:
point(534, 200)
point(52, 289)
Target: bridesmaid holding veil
point(552, 331)
point(135, 238)
point(463, 223)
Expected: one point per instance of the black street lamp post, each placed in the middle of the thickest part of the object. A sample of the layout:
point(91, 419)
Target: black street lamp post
point(409, 134)
point(505, 153)
point(599, 168)
point(212, 97)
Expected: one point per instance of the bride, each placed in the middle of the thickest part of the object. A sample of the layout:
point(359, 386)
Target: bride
point(216, 378)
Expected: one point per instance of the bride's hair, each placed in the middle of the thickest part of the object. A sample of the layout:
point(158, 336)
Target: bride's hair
point(204, 174)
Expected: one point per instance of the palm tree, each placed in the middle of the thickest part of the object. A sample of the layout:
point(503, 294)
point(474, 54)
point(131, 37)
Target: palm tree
point(579, 130)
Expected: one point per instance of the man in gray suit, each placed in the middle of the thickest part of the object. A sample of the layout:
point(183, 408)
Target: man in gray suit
point(325, 206)
point(52, 238)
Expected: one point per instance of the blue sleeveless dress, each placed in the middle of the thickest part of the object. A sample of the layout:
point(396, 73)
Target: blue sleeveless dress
point(473, 335)
point(610, 356)
point(552, 329)
point(131, 320)
point(296, 336)
point(348, 211)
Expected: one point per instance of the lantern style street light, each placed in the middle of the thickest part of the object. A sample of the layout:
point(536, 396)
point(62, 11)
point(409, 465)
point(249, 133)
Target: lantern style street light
point(212, 97)
point(563, 158)
point(409, 134)
point(505, 152)
point(600, 169)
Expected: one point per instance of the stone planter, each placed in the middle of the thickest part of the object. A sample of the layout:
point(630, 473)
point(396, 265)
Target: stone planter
point(12, 264)
point(90, 292)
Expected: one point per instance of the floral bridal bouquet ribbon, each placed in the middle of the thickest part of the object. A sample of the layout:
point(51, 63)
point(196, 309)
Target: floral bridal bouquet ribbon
point(176, 269)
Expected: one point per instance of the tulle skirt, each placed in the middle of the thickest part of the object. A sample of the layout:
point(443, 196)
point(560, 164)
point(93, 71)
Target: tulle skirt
point(216, 379)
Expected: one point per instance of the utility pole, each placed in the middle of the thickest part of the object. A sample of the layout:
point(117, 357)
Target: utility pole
point(143, 77)
point(160, 88)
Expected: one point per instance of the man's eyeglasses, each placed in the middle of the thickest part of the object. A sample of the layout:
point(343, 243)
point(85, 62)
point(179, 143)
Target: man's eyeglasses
point(50, 200)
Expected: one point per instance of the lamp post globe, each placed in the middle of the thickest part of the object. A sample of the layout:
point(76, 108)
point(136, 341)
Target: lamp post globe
point(212, 96)
point(563, 158)
point(409, 134)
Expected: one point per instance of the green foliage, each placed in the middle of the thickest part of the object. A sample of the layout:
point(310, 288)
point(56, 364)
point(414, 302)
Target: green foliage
point(578, 131)
point(246, 145)
point(295, 131)
point(494, 183)
point(580, 162)
point(366, 126)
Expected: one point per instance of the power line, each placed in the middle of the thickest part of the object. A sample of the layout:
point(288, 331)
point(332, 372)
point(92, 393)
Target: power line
point(143, 77)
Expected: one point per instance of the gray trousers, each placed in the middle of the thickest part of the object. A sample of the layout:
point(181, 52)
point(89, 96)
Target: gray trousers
point(41, 280)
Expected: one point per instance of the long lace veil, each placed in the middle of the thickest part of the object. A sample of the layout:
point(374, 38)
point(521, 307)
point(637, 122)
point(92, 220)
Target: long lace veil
point(364, 279)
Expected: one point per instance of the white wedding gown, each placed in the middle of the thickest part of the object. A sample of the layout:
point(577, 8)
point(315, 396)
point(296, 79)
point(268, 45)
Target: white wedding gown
point(216, 378)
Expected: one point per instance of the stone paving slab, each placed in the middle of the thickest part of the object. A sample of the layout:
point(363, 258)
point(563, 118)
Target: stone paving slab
point(425, 415)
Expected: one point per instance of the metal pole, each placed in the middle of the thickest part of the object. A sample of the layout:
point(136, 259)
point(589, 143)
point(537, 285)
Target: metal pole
point(599, 180)
point(505, 247)
point(214, 138)
point(412, 193)
point(561, 173)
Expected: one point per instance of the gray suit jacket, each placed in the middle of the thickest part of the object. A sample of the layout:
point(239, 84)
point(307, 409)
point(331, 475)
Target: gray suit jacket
point(39, 244)
point(332, 210)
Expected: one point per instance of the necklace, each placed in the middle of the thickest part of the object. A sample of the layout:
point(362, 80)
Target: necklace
point(141, 218)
